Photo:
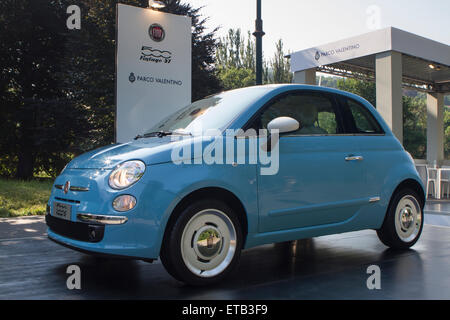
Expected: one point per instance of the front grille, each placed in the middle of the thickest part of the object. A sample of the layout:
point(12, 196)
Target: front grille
point(75, 230)
point(73, 188)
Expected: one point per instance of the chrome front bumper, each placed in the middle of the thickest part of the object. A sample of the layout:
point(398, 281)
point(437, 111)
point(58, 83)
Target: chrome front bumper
point(101, 219)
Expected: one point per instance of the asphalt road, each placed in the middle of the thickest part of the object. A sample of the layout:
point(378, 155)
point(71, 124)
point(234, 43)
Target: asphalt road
point(331, 267)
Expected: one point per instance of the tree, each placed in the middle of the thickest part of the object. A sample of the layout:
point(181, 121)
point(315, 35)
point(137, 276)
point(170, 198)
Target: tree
point(280, 66)
point(229, 50)
point(365, 89)
point(204, 79)
point(236, 51)
point(447, 132)
point(233, 78)
point(415, 126)
point(236, 61)
point(57, 86)
point(38, 120)
point(249, 53)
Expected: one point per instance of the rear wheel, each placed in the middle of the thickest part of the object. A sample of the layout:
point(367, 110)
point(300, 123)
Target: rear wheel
point(403, 224)
point(203, 245)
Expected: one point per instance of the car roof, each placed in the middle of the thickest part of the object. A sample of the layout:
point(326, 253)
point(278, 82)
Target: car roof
point(293, 86)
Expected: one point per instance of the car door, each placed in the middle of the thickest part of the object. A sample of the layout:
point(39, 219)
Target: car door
point(377, 149)
point(320, 177)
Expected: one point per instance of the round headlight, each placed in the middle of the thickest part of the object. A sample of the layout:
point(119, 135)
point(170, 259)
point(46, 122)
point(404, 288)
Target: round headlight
point(126, 174)
point(124, 203)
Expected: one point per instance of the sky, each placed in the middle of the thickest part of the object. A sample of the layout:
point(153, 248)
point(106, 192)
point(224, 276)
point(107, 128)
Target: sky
point(303, 24)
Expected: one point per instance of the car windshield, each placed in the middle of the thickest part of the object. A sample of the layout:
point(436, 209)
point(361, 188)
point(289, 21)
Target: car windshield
point(214, 112)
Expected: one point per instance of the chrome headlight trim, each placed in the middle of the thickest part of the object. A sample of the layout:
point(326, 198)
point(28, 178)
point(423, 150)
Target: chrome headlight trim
point(126, 174)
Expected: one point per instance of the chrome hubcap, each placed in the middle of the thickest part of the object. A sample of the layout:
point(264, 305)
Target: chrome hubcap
point(408, 218)
point(208, 243)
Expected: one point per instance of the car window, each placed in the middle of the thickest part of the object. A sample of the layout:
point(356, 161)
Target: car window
point(314, 112)
point(362, 121)
point(213, 112)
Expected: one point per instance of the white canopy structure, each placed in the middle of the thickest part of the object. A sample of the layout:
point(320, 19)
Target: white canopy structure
point(394, 59)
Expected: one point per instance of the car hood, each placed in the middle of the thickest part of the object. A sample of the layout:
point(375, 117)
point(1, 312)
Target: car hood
point(150, 150)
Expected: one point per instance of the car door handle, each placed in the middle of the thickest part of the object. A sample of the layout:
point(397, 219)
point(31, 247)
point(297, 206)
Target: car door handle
point(354, 158)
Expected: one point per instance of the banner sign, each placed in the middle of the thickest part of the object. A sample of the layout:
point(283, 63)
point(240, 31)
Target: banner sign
point(153, 68)
point(388, 39)
point(347, 49)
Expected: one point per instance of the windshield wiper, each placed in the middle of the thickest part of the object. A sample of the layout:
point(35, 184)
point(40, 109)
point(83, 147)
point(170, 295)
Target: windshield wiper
point(161, 134)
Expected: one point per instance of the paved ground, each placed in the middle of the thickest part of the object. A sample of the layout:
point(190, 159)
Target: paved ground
point(438, 213)
point(332, 267)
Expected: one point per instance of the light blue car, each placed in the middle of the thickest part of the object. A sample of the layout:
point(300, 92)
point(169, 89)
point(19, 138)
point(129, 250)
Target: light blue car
point(207, 182)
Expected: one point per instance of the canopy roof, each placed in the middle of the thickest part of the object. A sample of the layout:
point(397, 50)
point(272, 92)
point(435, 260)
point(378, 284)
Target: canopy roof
point(426, 63)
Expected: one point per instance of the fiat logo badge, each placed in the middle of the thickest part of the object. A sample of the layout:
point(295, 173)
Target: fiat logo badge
point(66, 187)
point(156, 32)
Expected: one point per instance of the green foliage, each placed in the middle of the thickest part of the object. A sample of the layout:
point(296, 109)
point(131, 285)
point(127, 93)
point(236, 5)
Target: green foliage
point(204, 79)
point(365, 89)
point(236, 51)
point(415, 126)
point(236, 62)
point(22, 198)
point(447, 130)
point(233, 78)
point(57, 86)
point(327, 121)
point(38, 118)
point(281, 69)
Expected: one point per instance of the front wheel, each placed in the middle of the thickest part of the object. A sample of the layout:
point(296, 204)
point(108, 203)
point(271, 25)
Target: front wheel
point(403, 224)
point(203, 245)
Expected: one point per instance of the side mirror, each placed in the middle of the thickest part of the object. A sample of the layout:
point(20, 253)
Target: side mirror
point(283, 125)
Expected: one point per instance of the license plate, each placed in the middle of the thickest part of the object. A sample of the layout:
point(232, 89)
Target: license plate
point(62, 210)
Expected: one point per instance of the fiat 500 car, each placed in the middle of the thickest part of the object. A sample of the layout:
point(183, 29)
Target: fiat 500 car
point(237, 170)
